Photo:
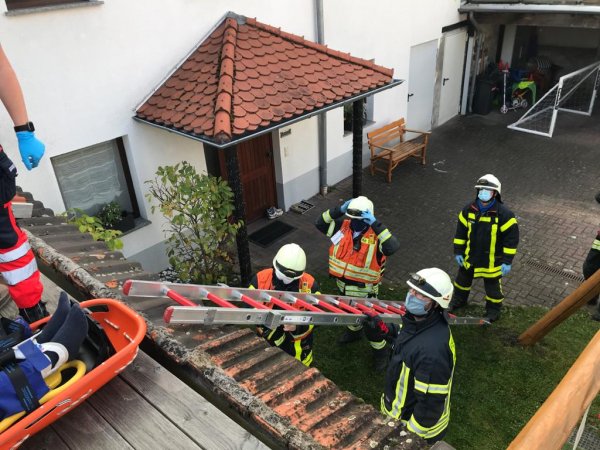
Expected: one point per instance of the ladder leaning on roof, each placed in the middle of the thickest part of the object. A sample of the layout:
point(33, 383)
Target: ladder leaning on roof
point(238, 306)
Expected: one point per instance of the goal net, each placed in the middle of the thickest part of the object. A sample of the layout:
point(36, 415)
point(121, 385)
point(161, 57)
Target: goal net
point(574, 93)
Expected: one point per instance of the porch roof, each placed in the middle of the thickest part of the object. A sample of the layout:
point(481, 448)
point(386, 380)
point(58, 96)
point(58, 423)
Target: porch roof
point(531, 6)
point(248, 78)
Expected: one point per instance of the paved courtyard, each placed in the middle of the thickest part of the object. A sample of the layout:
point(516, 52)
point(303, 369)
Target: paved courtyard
point(549, 183)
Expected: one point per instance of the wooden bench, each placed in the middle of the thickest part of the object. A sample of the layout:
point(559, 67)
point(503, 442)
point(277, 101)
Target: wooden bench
point(389, 146)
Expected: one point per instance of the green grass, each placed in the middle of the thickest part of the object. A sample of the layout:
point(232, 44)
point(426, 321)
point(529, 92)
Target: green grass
point(498, 384)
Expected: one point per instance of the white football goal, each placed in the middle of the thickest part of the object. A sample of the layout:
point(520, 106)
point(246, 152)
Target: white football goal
point(574, 93)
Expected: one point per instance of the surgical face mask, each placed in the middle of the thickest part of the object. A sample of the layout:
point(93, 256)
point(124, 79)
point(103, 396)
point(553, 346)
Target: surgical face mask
point(358, 225)
point(415, 305)
point(484, 195)
point(281, 277)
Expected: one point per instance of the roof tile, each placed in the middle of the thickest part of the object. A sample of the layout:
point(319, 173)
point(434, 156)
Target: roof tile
point(247, 74)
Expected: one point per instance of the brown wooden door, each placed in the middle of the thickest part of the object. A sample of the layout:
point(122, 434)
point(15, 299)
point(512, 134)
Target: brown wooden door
point(257, 174)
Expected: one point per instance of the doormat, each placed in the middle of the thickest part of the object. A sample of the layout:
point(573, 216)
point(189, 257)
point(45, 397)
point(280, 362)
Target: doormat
point(302, 207)
point(270, 233)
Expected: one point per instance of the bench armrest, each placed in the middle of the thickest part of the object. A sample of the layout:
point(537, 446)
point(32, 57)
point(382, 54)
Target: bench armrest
point(417, 131)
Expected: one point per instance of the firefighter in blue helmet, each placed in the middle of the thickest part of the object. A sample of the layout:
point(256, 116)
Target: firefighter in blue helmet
point(418, 381)
point(485, 244)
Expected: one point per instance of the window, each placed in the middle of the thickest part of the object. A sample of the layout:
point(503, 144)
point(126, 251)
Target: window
point(367, 114)
point(22, 4)
point(95, 176)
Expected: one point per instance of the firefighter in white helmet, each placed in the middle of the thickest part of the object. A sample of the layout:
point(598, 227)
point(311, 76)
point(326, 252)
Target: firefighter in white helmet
point(359, 247)
point(485, 244)
point(287, 274)
point(418, 380)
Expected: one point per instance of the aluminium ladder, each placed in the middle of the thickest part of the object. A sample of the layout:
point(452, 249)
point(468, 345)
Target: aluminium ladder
point(239, 306)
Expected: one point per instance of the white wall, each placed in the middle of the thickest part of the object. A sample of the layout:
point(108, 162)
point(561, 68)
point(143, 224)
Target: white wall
point(85, 70)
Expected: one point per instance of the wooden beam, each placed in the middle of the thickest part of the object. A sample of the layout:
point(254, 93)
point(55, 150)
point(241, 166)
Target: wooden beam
point(584, 293)
point(552, 424)
point(235, 182)
point(357, 143)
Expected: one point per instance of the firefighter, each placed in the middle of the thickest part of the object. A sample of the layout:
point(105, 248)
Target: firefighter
point(287, 274)
point(485, 244)
point(418, 381)
point(17, 262)
point(359, 246)
point(592, 264)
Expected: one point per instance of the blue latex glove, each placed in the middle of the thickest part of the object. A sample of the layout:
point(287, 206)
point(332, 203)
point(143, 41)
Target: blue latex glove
point(368, 217)
point(31, 148)
point(505, 269)
point(344, 207)
point(460, 260)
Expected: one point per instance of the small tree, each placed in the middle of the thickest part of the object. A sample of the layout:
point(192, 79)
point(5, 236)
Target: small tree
point(200, 231)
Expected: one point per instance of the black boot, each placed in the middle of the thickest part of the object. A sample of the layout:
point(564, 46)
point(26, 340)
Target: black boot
point(492, 312)
point(381, 358)
point(34, 313)
point(457, 303)
point(350, 336)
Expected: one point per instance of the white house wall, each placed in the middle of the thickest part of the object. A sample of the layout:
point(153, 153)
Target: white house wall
point(84, 70)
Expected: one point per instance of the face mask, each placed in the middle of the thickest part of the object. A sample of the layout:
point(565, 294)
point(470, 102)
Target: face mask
point(357, 225)
point(281, 277)
point(415, 305)
point(484, 195)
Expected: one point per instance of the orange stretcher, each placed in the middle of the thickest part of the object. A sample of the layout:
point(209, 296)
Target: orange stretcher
point(111, 345)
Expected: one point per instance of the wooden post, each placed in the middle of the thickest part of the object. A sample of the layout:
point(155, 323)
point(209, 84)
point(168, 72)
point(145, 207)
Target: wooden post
point(243, 247)
point(584, 293)
point(553, 422)
point(357, 138)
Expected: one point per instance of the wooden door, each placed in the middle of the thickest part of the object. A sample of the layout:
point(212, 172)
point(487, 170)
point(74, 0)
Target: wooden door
point(257, 174)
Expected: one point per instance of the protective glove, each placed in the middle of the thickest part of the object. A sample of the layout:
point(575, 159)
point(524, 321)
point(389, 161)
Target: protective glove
point(505, 269)
point(344, 207)
point(375, 329)
point(368, 217)
point(31, 148)
point(460, 260)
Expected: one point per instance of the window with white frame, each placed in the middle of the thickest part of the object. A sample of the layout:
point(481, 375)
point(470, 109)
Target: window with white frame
point(93, 177)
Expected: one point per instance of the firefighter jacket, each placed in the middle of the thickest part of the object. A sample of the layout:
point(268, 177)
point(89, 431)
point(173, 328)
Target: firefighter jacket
point(486, 239)
point(418, 381)
point(592, 262)
point(358, 260)
point(299, 342)
point(17, 261)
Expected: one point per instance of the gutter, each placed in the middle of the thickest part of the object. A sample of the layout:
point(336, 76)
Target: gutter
point(321, 118)
point(527, 8)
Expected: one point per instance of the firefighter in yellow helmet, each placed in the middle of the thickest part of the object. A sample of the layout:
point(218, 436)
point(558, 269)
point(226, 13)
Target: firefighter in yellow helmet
point(485, 244)
point(418, 381)
point(287, 274)
point(359, 247)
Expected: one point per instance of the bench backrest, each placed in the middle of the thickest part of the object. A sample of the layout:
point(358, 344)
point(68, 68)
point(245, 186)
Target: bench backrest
point(390, 132)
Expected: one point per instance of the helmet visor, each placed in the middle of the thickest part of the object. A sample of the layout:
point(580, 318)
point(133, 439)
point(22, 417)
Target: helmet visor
point(291, 273)
point(487, 184)
point(419, 281)
point(355, 213)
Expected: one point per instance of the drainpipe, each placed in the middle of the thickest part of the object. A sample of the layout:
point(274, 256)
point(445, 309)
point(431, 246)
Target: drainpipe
point(321, 118)
point(478, 44)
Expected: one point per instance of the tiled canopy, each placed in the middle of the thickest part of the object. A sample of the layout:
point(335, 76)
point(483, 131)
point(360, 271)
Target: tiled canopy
point(248, 76)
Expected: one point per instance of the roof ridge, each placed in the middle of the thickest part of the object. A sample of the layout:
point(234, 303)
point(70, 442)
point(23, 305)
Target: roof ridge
point(224, 95)
point(319, 47)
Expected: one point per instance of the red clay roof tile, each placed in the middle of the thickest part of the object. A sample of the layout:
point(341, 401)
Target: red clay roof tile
point(247, 75)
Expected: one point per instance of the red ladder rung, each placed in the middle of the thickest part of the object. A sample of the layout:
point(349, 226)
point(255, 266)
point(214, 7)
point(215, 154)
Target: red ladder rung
point(176, 296)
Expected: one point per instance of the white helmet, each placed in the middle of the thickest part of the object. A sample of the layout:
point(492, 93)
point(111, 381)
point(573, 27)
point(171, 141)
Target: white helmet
point(290, 260)
point(358, 205)
point(490, 182)
point(433, 283)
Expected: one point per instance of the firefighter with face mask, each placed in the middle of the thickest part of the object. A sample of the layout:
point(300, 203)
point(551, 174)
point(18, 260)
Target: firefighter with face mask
point(418, 381)
point(359, 246)
point(287, 274)
point(485, 244)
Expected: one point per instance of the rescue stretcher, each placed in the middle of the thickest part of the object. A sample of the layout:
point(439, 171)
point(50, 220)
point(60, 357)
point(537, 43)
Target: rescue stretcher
point(114, 333)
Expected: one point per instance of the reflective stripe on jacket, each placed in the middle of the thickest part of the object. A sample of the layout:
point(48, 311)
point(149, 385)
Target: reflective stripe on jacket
point(419, 378)
point(486, 239)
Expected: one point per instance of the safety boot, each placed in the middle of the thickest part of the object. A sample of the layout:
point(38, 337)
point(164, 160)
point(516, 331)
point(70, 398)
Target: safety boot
point(381, 358)
point(34, 313)
point(350, 336)
point(457, 303)
point(492, 313)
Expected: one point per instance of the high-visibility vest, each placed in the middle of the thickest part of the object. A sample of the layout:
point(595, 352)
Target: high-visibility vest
point(360, 265)
point(265, 281)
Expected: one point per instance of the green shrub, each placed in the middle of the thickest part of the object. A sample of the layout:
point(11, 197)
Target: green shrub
point(200, 242)
point(93, 225)
point(110, 214)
